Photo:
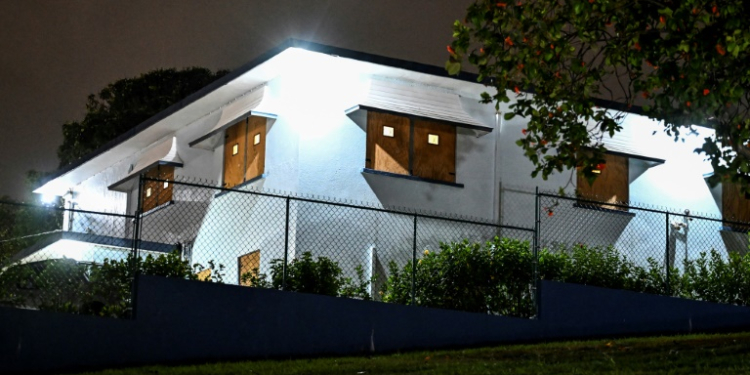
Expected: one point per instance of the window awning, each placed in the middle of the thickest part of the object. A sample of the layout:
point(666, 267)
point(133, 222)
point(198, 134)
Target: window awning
point(411, 99)
point(164, 153)
point(252, 104)
point(625, 143)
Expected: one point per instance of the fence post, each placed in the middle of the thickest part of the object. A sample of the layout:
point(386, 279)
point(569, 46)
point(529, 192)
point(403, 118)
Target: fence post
point(535, 255)
point(414, 263)
point(666, 253)
point(286, 248)
point(136, 245)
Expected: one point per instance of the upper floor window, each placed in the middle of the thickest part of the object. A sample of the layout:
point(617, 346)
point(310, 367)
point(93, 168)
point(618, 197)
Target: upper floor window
point(612, 184)
point(411, 146)
point(157, 193)
point(244, 151)
point(735, 206)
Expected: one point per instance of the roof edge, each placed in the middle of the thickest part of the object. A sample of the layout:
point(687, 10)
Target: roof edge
point(290, 43)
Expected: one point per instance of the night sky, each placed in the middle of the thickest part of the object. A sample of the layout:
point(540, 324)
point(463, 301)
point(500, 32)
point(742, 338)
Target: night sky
point(55, 53)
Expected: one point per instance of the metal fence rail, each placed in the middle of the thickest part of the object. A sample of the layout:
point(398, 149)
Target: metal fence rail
point(48, 263)
point(255, 238)
point(660, 245)
point(85, 262)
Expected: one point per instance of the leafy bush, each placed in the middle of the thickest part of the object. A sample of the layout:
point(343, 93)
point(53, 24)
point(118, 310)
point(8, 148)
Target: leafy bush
point(308, 275)
point(104, 290)
point(494, 278)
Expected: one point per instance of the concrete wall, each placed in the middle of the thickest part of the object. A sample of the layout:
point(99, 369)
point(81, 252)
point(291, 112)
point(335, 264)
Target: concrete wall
point(193, 322)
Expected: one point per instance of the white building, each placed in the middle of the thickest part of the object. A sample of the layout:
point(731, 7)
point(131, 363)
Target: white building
point(313, 120)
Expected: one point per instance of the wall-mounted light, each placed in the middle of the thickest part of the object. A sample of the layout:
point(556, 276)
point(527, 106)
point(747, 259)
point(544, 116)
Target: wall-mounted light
point(387, 131)
point(48, 198)
point(166, 184)
point(235, 149)
point(256, 139)
point(433, 139)
point(148, 192)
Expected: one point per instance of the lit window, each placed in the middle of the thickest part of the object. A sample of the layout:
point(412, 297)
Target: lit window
point(157, 190)
point(433, 139)
point(244, 158)
point(413, 152)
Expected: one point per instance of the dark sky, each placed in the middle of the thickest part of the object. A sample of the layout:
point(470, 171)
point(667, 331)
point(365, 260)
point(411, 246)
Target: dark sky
point(53, 54)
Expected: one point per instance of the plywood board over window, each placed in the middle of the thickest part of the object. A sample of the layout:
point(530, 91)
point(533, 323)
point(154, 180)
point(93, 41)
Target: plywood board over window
point(156, 193)
point(434, 151)
point(611, 186)
point(387, 143)
point(248, 265)
point(735, 206)
point(234, 154)
point(256, 147)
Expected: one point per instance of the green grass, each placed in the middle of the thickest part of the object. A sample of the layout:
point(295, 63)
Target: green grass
point(694, 354)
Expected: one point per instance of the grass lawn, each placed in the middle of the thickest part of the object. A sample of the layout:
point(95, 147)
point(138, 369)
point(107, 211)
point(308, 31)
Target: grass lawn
point(694, 354)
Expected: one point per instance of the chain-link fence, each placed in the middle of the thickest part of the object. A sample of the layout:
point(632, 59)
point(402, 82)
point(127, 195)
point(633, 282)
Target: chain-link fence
point(70, 260)
point(630, 246)
point(85, 262)
point(298, 243)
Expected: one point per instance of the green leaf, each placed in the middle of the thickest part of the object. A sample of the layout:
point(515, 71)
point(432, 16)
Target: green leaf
point(453, 67)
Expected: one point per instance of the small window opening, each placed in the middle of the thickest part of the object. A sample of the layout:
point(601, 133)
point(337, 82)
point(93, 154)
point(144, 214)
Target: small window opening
point(433, 139)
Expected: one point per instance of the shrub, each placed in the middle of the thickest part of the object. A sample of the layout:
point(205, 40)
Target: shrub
point(494, 278)
point(308, 275)
point(104, 289)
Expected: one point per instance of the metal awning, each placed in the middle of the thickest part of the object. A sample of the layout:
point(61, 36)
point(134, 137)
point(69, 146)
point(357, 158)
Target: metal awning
point(413, 99)
point(164, 153)
point(627, 144)
point(251, 104)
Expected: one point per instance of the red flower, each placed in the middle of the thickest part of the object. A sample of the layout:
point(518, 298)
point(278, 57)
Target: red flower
point(543, 142)
point(450, 50)
point(550, 213)
point(706, 91)
point(637, 46)
point(520, 66)
point(715, 10)
point(508, 41)
point(601, 166)
point(662, 19)
point(516, 90)
point(551, 46)
point(502, 5)
point(687, 104)
point(645, 94)
point(524, 131)
point(720, 49)
point(481, 50)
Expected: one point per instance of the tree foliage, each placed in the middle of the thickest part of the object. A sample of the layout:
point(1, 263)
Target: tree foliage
point(685, 61)
point(126, 103)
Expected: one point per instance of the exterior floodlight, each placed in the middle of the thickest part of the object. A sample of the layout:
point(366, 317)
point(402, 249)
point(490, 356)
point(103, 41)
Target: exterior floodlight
point(48, 198)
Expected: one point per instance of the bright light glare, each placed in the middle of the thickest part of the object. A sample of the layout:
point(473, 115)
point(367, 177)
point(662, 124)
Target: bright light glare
point(48, 198)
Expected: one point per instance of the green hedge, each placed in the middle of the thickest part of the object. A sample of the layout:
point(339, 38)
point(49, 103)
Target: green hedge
point(496, 277)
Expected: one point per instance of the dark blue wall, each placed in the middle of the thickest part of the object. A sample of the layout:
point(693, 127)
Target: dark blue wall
point(184, 321)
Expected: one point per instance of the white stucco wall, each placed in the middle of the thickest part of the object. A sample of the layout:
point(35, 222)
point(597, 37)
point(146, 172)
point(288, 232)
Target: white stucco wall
point(313, 149)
